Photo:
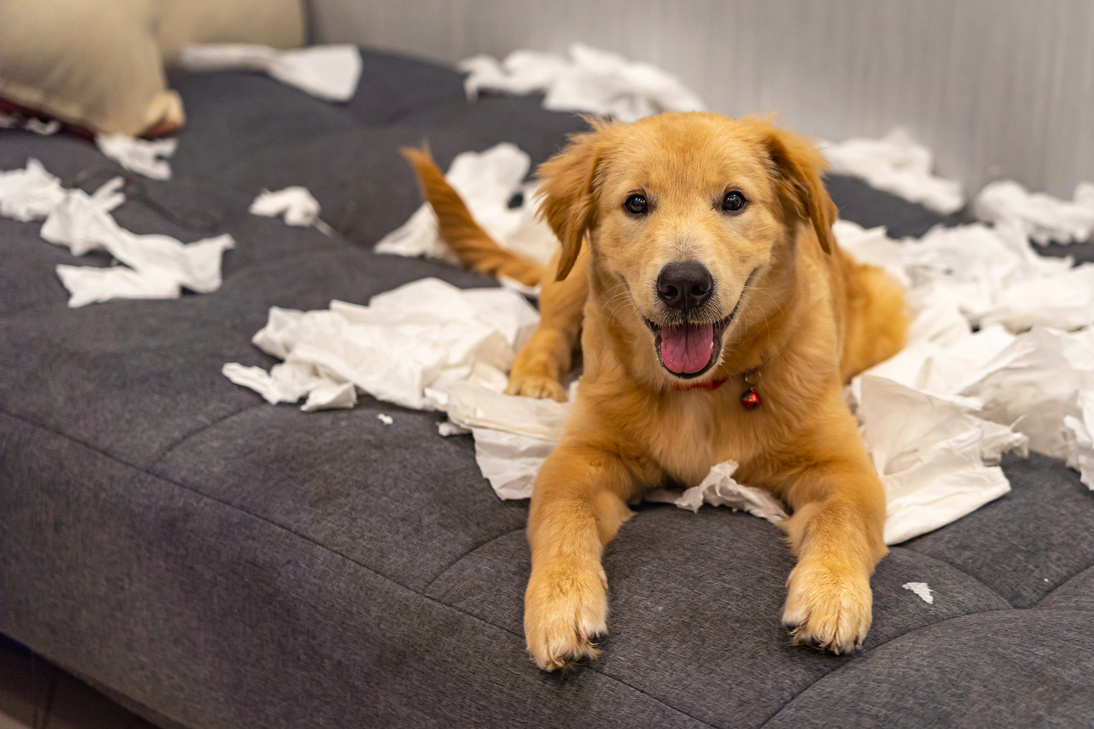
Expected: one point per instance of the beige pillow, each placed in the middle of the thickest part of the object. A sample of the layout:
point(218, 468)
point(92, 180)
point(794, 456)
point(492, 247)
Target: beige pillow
point(98, 64)
point(89, 63)
point(276, 23)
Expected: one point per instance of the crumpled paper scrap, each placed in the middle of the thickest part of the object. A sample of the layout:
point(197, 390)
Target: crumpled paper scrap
point(295, 204)
point(510, 461)
point(409, 346)
point(930, 453)
point(921, 589)
point(939, 414)
point(487, 181)
point(143, 156)
point(31, 124)
point(1044, 218)
point(329, 72)
point(29, 194)
point(897, 164)
point(991, 272)
point(590, 80)
point(719, 488)
point(155, 266)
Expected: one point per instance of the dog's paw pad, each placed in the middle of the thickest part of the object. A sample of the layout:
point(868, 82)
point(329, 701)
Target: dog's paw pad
point(536, 386)
point(828, 611)
point(562, 624)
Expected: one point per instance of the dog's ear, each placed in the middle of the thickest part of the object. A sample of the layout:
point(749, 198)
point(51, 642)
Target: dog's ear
point(568, 190)
point(798, 168)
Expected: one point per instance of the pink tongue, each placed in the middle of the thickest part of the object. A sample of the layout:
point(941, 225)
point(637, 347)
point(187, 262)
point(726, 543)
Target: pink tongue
point(686, 348)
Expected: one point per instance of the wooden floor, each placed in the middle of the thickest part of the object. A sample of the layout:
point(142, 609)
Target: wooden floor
point(35, 694)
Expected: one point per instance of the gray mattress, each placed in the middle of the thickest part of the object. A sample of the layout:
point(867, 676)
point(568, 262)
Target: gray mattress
point(215, 561)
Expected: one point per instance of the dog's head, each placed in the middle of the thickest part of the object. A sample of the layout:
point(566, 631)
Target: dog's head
point(689, 218)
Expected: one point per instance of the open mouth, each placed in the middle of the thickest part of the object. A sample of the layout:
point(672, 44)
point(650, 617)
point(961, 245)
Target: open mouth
point(689, 349)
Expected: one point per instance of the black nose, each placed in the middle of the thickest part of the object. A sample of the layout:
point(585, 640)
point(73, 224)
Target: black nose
point(684, 285)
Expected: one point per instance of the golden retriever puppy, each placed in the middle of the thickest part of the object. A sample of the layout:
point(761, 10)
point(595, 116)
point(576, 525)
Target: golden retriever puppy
point(718, 320)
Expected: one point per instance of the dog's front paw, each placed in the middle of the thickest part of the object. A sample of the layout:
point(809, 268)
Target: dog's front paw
point(828, 608)
point(537, 386)
point(565, 609)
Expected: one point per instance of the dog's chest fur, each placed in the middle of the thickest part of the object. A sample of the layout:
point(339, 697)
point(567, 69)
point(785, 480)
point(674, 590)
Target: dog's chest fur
point(697, 430)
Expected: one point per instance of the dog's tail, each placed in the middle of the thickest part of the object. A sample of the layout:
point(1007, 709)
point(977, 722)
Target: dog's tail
point(472, 245)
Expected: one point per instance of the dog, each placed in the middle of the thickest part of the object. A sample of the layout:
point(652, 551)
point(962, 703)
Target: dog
point(718, 320)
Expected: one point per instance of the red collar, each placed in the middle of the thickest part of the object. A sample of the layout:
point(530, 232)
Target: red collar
point(708, 385)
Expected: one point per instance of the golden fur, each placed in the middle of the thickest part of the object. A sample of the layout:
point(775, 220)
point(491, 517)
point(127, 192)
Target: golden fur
point(802, 316)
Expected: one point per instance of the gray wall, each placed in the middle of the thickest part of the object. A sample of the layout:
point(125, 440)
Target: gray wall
point(997, 88)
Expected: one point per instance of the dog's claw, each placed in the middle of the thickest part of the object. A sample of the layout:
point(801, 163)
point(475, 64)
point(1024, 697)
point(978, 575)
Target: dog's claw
point(826, 612)
point(564, 612)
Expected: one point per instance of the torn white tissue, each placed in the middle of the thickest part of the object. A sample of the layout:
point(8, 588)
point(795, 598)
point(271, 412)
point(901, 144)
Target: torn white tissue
point(447, 429)
point(295, 204)
point(991, 273)
point(938, 415)
point(329, 72)
point(29, 194)
point(31, 124)
point(719, 488)
point(1079, 437)
point(139, 155)
point(290, 381)
point(474, 405)
point(385, 418)
point(898, 164)
point(590, 80)
point(409, 346)
point(930, 453)
point(921, 589)
point(1043, 217)
point(487, 182)
point(510, 461)
point(158, 266)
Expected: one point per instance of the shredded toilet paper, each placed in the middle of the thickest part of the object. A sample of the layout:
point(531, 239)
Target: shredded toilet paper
point(409, 346)
point(589, 80)
point(921, 589)
point(143, 156)
point(295, 205)
point(31, 124)
point(31, 193)
point(329, 72)
point(719, 488)
point(1043, 217)
point(155, 266)
point(938, 414)
point(897, 164)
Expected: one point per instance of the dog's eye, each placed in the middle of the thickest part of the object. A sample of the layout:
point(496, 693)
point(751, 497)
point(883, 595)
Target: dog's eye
point(733, 201)
point(636, 205)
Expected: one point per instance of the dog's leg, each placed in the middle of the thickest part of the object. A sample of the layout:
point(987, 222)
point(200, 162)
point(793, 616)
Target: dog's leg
point(837, 533)
point(545, 360)
point(578, 505)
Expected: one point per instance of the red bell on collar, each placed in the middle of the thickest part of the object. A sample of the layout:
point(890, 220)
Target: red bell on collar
point(750, 398)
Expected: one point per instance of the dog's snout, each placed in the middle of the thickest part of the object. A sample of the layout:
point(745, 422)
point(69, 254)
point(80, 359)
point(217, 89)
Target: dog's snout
point(684, 285)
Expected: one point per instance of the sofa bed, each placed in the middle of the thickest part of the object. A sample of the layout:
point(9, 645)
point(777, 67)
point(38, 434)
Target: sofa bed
point(210, 560)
